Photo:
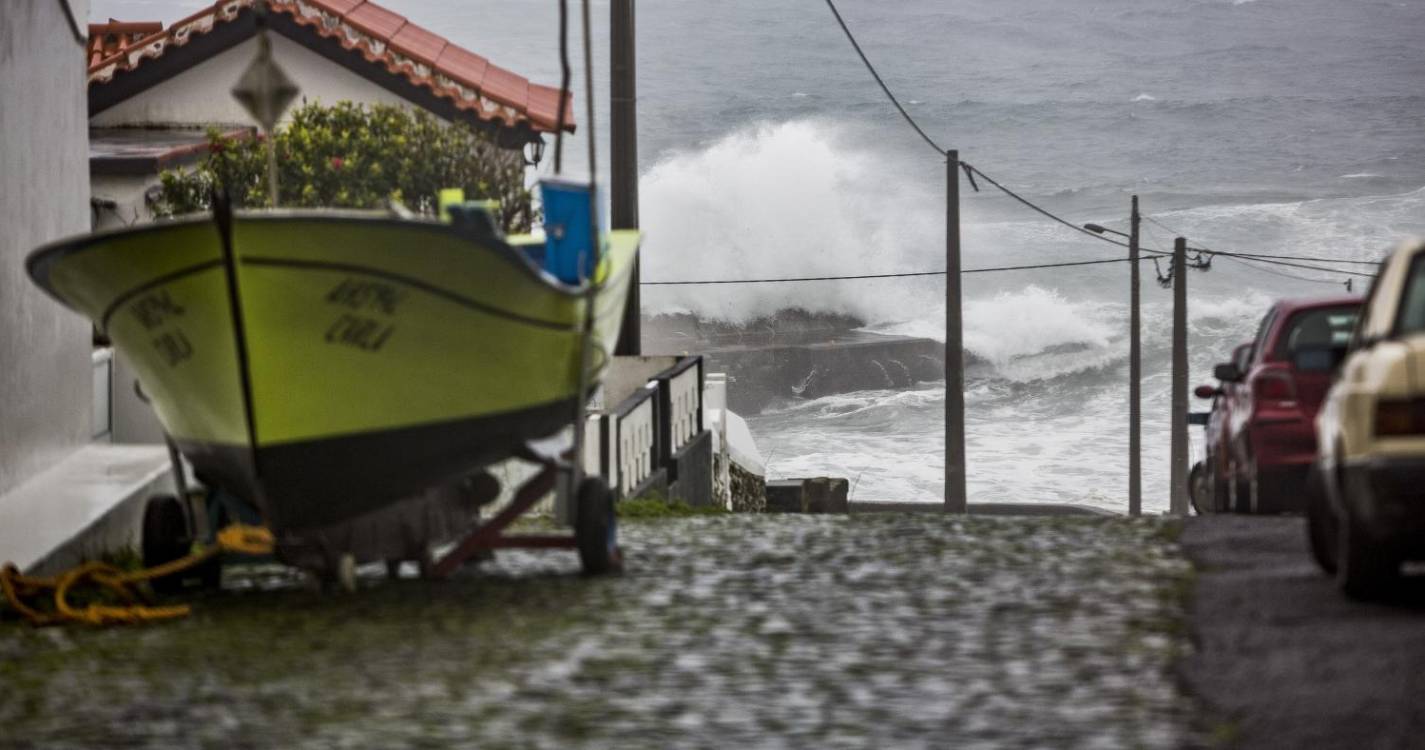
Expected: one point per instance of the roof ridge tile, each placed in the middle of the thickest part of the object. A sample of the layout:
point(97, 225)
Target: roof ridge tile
point(382, 37)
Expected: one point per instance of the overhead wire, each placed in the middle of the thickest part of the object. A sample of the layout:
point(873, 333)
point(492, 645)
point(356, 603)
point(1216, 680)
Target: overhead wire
point(995, 269)
point(970, 168)
point(1314, 259)
point(1282, 274)
point(563, 86)
point(872, 69)
point(1267, 256)
point(1288, 264)
point(972, 171)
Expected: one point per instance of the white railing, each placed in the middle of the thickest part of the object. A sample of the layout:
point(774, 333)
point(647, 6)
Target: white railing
point(684, 405)
point(634, 431)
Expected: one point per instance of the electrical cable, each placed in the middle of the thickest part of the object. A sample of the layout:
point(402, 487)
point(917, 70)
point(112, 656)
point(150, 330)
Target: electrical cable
point(1282, 274)
point(872, 69)
point(563, 86)
point(1288, 264)
point(1029, 267)
point(1045, 212)
point(80, 34)
point(1314, 259)
point(1266, 256)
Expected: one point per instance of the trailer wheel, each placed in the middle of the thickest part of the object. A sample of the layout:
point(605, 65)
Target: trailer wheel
point(345, 573)
point(165, 538)
point(596, 528)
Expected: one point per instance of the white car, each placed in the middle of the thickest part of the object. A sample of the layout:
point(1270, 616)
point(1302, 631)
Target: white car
point(1369, 513)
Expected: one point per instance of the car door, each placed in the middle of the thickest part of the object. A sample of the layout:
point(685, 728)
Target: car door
point(1241, 398)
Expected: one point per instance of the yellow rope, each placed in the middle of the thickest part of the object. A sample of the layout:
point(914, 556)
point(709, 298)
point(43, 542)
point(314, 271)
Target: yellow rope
point(20, 590)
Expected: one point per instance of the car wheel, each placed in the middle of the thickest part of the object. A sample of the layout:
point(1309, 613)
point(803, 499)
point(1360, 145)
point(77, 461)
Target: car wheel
point(1218, 486)
point(1236, 491)
point(1321, 525)
point(1363, 569)
point(1197, 489)
point(1254, 487)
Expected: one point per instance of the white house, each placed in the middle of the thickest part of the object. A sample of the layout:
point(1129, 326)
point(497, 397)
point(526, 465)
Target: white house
point(153, 90)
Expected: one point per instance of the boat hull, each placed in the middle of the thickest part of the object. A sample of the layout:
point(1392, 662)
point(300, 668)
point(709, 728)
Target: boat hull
point(325, 364)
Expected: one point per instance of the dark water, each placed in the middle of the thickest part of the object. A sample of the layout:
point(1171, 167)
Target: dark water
point(1277, 126)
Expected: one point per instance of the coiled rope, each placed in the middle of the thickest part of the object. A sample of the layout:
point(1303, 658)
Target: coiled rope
point(27, 594)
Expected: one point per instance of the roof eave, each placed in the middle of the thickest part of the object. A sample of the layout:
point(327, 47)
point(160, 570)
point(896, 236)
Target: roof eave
point(200, 45)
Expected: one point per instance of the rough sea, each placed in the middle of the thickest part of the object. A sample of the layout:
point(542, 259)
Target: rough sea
point(1269, 126)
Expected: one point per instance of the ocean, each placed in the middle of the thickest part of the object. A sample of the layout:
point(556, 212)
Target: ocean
point(1270, 126)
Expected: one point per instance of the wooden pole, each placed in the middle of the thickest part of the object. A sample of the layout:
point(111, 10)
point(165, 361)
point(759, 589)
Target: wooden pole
point(623, 142)
point(955, 500)
point(1178, 490)
point(1135, 375)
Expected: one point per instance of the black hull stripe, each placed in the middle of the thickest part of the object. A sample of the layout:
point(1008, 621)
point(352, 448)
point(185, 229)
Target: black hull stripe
point(313, 265)
point(314, 483)
point(151, 284)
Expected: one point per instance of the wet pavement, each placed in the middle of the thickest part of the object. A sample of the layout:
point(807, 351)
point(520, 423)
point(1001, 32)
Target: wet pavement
point(1284, 659)
point(883, 630)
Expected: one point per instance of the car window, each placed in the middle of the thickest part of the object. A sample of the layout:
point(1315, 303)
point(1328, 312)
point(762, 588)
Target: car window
point(1367, 309)
point(1410, 317)
point(1259, 343)
point(1321, 328)
point(1244, 357)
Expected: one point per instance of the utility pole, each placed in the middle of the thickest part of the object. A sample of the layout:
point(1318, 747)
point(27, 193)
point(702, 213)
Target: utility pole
point(623, 141)
point(955, 500)
point(1178, 446)
point(1135, 375)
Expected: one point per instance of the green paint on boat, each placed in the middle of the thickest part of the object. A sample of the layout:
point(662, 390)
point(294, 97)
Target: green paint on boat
point(384, 355)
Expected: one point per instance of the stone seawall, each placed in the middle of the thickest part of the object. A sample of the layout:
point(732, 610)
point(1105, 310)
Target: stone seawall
point(797, 355)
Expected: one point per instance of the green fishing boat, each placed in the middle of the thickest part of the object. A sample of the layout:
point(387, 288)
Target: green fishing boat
point(324, 364)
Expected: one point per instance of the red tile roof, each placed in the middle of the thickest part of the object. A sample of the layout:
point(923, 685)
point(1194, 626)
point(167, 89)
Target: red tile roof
point(425, 59)
point(114, 37)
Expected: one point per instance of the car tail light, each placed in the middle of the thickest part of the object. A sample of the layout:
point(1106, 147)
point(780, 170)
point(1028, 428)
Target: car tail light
point(1273, 386)
point(1400, 418)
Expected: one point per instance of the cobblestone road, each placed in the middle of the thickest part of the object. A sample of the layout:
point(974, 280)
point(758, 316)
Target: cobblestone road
point(752, 631)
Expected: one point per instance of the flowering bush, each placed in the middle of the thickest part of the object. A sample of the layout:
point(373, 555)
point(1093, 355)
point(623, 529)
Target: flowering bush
point(355, 156)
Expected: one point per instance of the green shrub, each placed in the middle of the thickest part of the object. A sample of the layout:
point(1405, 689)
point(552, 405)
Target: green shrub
point(355, 156)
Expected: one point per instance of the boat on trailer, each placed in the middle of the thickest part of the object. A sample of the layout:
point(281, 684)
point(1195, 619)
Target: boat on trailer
point(323, 366)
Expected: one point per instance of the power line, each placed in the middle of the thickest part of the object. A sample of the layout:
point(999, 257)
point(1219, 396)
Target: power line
point(1313, 258)
point(1282, 273)
point(1288, 264)
point(1372, 263)
point(1049, 265)
point(882, 83)
point(799, 278)
point(973, 170)
point(1029, 267)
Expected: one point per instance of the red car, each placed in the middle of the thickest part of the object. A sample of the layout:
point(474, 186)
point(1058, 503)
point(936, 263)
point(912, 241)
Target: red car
point(1272, 402)
point(1209, 482)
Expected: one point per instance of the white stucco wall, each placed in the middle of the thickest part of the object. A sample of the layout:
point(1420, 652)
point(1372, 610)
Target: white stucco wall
point(201, 94)
point(45, 368)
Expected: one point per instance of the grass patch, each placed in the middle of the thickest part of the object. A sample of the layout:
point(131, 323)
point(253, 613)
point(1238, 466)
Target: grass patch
point(657, 506)
point(1168, 531)
point(1224, 734)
